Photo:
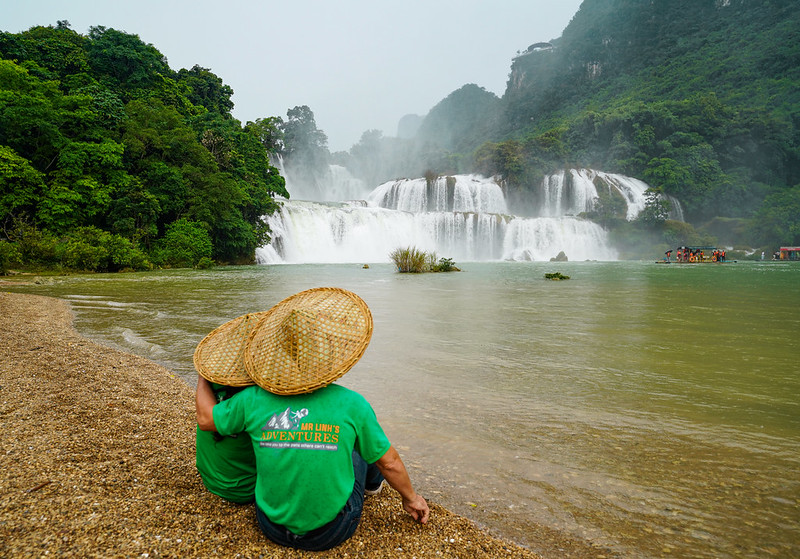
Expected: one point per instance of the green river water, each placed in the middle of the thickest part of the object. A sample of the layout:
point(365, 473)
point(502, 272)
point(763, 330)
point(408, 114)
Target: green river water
point(652, 409)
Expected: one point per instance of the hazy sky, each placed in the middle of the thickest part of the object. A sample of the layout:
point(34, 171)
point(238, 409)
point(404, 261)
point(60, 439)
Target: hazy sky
point(358, 64)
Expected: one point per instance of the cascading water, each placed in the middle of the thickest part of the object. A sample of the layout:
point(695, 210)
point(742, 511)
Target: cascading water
point(576, 190)
point(461, 193)
point(463, 217)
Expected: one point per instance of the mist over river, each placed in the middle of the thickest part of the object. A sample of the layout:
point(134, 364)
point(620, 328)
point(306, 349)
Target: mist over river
point(653, 409)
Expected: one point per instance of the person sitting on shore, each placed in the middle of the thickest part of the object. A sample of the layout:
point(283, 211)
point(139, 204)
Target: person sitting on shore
point(226, 463)
point(319, 447)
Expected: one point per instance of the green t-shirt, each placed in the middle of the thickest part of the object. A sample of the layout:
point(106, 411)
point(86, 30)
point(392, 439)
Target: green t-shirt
point(303, 446)
point(227, 465)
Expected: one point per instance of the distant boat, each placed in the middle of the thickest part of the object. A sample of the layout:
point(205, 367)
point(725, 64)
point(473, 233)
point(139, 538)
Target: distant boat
point(788, 254)
point(696, 255)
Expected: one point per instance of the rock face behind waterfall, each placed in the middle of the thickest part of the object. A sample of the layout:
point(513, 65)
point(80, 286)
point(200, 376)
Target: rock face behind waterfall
point(463, 217)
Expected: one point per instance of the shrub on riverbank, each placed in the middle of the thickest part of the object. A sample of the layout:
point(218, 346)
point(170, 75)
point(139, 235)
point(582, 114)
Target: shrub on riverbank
point(413, 260)
point(8, 255)
point(185, 244)
point(84, 249)
point(410, 260)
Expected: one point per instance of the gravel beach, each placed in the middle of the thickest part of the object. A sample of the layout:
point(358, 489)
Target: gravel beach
point(97, 460)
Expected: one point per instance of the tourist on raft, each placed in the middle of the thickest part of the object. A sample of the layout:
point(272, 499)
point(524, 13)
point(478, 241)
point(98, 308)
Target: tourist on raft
point(318, 446)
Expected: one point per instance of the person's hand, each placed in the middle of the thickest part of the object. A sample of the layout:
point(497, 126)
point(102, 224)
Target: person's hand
point(417, 508)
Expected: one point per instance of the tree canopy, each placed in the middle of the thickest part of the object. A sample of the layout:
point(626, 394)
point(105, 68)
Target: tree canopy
point(100, 139)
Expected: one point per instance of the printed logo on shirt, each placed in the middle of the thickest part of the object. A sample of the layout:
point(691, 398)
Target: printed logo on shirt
point(287, 430)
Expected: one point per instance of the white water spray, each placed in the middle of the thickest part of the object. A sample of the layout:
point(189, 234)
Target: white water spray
point(461, 193)
point(463, 217)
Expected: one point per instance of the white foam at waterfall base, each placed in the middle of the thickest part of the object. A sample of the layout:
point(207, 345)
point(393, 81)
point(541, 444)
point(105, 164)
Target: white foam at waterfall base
point(308, 232)
point(543, 238)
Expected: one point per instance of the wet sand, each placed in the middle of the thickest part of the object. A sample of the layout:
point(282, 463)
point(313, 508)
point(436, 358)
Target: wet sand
point(97, 460)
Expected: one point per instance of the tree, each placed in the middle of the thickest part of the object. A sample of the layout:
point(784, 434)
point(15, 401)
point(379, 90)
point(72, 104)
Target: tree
point(57, 52)
point(777, 222)
point(31, 118)
point(461, 121)
point(158, 146)
point(184, 244)
point(134, 212)
point(656, 208)
point(367, 157)
point(98, 137)
point(82, 186)
point(506, 158)
point(123, 62)
point(304, 143)
point(92, 249)
point(610, 207)
point(20, 186)
point(207, 89)
point(269, 132)
point(305, 149)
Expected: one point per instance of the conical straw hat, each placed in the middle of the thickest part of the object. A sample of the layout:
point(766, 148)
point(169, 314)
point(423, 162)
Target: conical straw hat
point(308, 340)
point(219, 357)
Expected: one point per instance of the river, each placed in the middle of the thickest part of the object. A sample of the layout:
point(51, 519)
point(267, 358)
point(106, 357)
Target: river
point(652, 409)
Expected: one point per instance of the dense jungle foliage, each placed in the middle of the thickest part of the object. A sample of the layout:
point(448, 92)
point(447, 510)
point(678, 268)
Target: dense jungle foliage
point(110, 160)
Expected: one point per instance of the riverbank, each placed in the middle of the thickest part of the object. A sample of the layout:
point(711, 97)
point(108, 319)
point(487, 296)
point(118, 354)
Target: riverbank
point(97, 452)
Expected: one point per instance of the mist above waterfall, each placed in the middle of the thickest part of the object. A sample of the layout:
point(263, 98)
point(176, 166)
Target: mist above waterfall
point(335, 185)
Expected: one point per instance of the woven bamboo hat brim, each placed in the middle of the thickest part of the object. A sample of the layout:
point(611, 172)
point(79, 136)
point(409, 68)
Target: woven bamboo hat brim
point(308, 340)
point(219, 357)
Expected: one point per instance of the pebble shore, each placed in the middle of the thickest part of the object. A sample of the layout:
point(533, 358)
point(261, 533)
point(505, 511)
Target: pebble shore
point(97, 460)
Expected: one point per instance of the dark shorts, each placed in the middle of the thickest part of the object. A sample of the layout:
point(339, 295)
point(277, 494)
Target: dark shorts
point(337, 530)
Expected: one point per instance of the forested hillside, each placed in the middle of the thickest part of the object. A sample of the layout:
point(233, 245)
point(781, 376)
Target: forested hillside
point(699, 98)
point(111, 160)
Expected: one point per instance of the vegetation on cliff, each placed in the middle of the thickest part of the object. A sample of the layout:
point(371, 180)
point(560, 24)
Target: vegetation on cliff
point(699, 98)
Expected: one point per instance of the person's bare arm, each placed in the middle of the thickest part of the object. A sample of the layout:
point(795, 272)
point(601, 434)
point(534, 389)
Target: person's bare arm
point(395, 473)
point(204, 403)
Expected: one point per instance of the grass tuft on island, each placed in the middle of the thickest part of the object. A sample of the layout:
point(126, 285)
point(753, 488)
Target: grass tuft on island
point(415, 261)
point(556, 276)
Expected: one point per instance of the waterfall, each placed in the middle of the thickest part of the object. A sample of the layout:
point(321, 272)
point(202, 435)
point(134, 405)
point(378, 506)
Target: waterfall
point(463, 217)
point(676, 212)
point(461, 193)
point(562, 194)
point(340, 233)
point(535, 239)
